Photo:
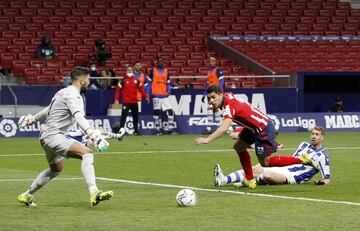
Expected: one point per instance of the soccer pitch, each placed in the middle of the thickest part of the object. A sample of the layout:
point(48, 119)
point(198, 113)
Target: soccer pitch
point(146, 172)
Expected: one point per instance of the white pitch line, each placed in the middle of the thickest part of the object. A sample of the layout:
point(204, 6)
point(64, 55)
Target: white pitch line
point(171, 151)
point(229, 191)
point(200, 189)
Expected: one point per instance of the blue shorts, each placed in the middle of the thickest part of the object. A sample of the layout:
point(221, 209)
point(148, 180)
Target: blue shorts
point(264, 142)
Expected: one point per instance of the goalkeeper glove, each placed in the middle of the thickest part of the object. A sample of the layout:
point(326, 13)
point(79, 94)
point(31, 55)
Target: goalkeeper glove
point(26, 120)
point(98, 139)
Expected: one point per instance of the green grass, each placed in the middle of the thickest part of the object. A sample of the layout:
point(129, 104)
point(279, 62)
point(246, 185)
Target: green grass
point(176, 160)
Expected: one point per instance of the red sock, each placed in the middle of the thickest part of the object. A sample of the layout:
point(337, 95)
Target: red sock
point(283, 161)
point(245, 161)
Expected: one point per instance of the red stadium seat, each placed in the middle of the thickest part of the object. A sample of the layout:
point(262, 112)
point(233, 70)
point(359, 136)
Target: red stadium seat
point(7, 60)
point(181, 56)
point(194, 63)
point(168, 49)
point(189, 71)
point(18, 67)
point(178, 63)
point(73, 42)
point(49, 71)
point(67, 5)
point(31, 72)
point(185, 48)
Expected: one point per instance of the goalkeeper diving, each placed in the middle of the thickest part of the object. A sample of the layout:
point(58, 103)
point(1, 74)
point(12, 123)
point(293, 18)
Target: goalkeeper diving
point(66, 107)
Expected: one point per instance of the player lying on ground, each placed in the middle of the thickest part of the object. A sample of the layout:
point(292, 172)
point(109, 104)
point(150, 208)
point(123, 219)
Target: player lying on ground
point(66, 107)
point(259, 130)
point(293, 174)
point(80, 136)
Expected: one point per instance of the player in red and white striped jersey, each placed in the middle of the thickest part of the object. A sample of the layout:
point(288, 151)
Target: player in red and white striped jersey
point(259, 130)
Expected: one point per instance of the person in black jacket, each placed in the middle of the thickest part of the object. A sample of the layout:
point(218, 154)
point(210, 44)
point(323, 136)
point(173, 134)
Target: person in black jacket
point(45, 50)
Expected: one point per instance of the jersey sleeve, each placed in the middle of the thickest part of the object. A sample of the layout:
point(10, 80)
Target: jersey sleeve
point(228, 112)
point(300, 148)
point(324, 166)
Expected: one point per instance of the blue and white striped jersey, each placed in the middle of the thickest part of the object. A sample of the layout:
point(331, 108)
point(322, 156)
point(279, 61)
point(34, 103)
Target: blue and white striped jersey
point(319, 156)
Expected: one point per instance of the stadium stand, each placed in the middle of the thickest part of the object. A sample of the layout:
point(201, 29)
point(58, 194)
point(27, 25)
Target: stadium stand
point(176, 30)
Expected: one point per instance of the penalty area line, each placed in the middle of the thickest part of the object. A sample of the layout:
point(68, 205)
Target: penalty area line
point(229, 191)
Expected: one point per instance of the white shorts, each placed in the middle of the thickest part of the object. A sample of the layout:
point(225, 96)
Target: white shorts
point(56, 147)
point(162, 104)
point(294, 174)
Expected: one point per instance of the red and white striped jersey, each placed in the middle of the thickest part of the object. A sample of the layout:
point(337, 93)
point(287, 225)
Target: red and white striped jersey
point(243, 113)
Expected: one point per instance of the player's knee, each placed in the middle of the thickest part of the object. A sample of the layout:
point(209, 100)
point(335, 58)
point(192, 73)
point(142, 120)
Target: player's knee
point(238, 147)
point(56, 169)
point(87, 150)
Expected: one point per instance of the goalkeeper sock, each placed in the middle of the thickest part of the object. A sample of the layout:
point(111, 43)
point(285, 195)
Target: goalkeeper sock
point(283, 161)
point(43, 178)
point(235, 177)
point(88, 172)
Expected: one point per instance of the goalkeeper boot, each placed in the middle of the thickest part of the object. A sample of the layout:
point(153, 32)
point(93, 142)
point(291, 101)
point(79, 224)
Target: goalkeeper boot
point(305, 158)
point(96, 197)
point(26, 200)
point(220, 179)
point(251, 184)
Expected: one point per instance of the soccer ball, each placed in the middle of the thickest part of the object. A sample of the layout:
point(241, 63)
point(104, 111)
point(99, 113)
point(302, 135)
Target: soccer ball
point(186, 197)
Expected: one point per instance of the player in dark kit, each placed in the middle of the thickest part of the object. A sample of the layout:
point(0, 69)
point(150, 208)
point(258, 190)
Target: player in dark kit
point(129, 87)
point(259, 130)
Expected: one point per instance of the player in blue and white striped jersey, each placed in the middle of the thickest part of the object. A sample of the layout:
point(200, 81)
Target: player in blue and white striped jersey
point(293, 174)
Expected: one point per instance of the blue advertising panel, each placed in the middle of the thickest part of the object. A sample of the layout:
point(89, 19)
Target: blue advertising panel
point(195, 124)
point(185, 101)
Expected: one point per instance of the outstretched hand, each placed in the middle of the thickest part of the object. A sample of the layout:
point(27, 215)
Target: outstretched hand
point(201, 140)
point(26, 120)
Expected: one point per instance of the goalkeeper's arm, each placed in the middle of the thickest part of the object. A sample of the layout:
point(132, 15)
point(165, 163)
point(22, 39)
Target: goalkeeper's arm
point(41, 115)
point(100, 143)
point(29, 119)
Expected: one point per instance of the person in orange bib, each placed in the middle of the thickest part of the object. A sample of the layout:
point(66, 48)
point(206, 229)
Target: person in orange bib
point(160, 91)
point(215, 77)
point(144, 80)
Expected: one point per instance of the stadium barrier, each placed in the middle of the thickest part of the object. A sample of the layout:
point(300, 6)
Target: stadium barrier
point(191, 124)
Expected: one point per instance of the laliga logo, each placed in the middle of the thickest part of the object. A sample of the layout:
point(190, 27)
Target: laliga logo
point(129, 125)
point(276, 120)
point(7, 128)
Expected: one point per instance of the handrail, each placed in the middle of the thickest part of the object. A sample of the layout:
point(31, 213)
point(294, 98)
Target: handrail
point(204, 77)
point(12, 93)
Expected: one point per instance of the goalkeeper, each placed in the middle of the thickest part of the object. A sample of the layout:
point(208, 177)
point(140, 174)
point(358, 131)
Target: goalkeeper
point(66, 107)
